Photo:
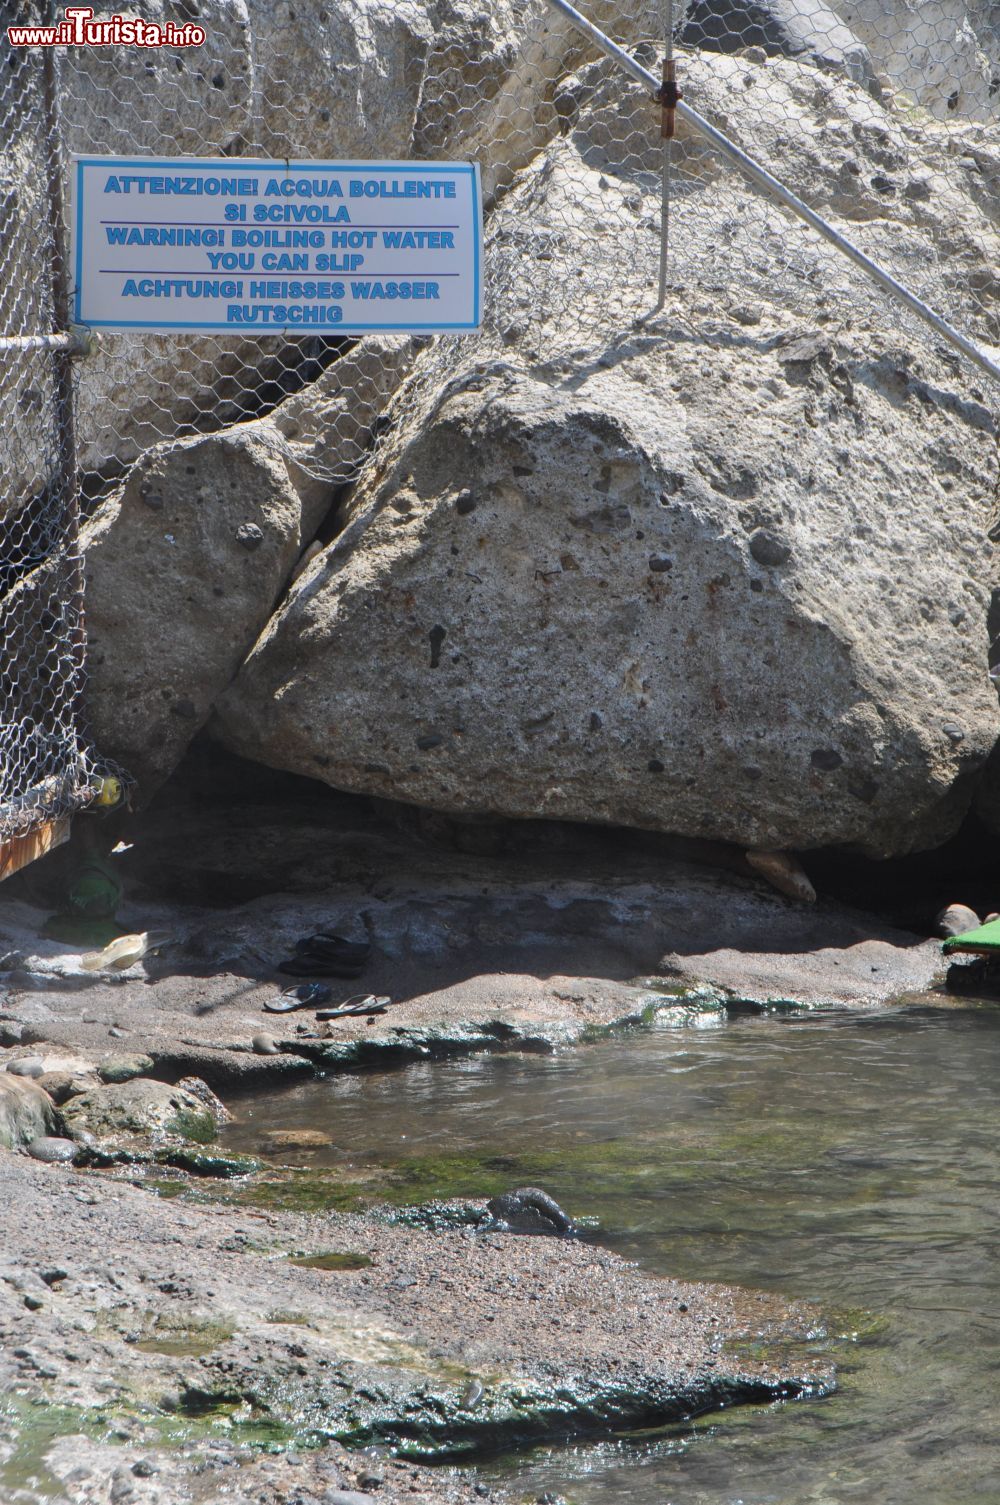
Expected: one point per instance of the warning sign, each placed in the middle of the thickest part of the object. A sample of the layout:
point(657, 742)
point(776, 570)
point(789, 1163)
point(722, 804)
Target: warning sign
point(233, 244)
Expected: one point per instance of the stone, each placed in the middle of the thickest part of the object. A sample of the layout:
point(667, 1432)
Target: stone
point(785, 873)
point(62, 1085)
point(26, 1112)
point(811, 32)
point(26, 1066)
point(347, 1497)
point(782, 705)
point(294, 1139)
point(943, 54)
point(124, 1068)
point(265, 1045)
point(173, 599)
point(530, 1210)
point(203, 1092)
point(52, 1150)
point(131, 1119)
point(956, 919)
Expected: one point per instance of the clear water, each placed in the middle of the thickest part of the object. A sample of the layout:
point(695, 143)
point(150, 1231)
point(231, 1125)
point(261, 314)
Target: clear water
point(851, 1159)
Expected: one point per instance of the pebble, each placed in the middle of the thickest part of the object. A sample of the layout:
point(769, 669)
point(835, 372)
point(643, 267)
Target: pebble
point(30, 1066)
point(265, 1045)
point(115, 1069)
point(956, 919)
point(52, 1151)
point(347, 1497)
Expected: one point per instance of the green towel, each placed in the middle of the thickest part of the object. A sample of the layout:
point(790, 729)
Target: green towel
point(984, 940)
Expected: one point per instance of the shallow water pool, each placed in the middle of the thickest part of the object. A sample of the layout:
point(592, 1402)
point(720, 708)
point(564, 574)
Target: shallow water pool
point(846, 1158)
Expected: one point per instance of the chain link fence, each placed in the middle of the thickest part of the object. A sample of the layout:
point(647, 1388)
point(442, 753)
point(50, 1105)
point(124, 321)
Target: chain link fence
point(880, 114)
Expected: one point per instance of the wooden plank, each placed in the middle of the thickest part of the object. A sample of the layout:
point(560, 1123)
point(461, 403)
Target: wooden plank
point(20, 850)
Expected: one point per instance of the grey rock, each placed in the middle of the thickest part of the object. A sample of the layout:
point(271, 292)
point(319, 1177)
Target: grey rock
point(347, 1497)
point(811, 32)
point(265, 1045)
point(52, 1150)
point(26, 1066)
point(124, 1068)
point(137, 1115)
point(696, 674)
point(172, 602)
point(26, 1112)
point(530, 1210)
point(956, 919)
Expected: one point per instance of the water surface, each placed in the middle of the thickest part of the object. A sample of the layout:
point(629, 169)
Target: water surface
point(850, 1159)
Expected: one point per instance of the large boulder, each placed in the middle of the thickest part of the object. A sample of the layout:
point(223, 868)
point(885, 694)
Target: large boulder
point(134, 1118)
point(732, 588)
point(184, 564)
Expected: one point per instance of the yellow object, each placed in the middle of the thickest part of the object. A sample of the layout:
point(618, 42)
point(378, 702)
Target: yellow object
point(111, 792)
point(121, 953)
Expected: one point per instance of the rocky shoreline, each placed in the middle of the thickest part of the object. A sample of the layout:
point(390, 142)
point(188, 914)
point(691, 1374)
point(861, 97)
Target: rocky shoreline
point(184, 1318)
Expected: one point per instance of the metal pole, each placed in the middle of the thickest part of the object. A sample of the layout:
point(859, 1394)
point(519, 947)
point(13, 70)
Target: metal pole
point(75, 344)
point(69, 489)
point(757, 174)
point(668, 149)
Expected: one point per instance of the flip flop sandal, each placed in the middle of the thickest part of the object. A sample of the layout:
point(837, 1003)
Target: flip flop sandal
point(304, 965)
point(333, 947)
point(369, 1004)
point(309, 996)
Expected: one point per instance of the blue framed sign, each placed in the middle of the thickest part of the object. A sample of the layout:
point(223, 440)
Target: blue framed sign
point(236, 245)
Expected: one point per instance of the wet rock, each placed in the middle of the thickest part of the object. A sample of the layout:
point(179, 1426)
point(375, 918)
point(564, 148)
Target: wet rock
point(530, 1210)
point(132, 1119)
point(294, 1139)
point(956, 919)
point(203, 1092)
point(26, 1112)
point(52, 1150)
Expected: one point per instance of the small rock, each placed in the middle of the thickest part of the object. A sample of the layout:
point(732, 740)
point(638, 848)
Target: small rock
point(203, 1092)
point(52, 1150)
point(785, 873)
point(11, 1032)
point(347, 1497)
point(768, 549)
point(143, 1469)
point(29, 1066)
point(33, 1303)
point(956, 920)
point(371, 1481)
point(294, 1139)
point(124, 1068)
point(265, 1045)
point(529, 1210)
point(250, 536)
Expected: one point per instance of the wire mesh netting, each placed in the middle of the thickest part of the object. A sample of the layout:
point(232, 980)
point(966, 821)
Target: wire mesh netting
point(45, 769)
point(880, 114)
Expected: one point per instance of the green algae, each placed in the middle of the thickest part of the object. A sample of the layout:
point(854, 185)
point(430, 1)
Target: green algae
point(332, 1260)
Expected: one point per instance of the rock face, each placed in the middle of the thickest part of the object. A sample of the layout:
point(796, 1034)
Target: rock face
point(802, 29)
point(944, 53)
point(733, 590)
point(184, 564)
point(26, 1111)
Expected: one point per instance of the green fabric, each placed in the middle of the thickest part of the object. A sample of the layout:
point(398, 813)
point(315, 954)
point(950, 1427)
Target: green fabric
point(76, 930)
point(986, 938)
